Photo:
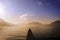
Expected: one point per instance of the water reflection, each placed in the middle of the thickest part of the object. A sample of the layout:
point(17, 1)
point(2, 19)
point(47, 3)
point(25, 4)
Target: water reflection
point(13, 33)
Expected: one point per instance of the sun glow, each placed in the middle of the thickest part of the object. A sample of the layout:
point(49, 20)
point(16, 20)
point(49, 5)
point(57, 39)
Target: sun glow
point(1, 8)
point(2, 11)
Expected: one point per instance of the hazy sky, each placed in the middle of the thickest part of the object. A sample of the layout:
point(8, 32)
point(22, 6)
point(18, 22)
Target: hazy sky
point(17, 11)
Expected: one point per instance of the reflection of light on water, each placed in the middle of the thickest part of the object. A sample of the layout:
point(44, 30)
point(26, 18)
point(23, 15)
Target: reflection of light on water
point(12, 31)
point(16, 31)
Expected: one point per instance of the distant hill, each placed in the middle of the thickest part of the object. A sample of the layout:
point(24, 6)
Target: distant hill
point(56, 28)
point(34, 23)
point(55, 23)
point(3, 23)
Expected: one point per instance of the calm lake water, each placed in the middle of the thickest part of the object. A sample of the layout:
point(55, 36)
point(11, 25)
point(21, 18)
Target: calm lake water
point(20, 31)
point(13, 33)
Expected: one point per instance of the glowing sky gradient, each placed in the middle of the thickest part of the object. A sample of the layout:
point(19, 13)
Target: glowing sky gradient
point(17, 11)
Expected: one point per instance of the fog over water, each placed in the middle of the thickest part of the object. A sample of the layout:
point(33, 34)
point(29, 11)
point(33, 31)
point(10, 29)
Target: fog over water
point(21, 30)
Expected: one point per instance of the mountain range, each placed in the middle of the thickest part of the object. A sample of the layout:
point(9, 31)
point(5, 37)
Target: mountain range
point(3, 23)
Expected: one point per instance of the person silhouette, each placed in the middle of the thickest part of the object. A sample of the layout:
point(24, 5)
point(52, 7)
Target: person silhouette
point(30, 35)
